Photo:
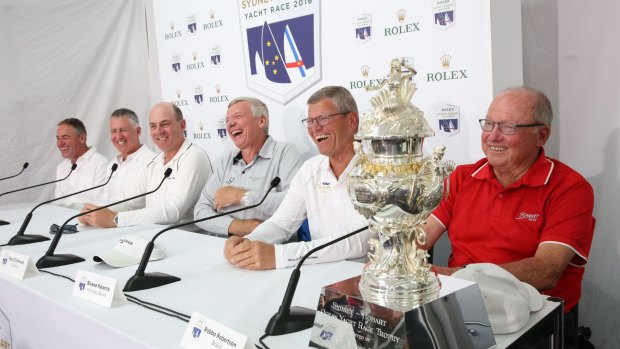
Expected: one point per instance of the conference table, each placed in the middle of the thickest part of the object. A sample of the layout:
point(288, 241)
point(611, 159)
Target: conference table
point(43, 313)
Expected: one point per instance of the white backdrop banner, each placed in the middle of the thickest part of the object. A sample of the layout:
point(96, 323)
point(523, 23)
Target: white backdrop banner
point(281, 51)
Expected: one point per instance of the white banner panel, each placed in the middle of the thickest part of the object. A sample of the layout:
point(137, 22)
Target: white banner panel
point(281, 51)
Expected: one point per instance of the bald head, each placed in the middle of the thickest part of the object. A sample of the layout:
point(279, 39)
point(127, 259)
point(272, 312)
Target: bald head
point(167, 127)
point(533, 102)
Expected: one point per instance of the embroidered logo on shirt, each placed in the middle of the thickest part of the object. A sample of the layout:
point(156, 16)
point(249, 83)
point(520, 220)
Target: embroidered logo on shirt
point(532, 217)
point(324, 186)
point(230, 180)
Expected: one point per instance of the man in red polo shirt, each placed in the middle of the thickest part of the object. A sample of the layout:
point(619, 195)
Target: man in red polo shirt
point(517, 208)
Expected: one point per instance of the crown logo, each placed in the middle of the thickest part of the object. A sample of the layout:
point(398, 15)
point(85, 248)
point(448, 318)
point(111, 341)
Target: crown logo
point(365, 70)
point(218, 88)
point(194, 55)
point(171, 25)
point(445, 61)
point(400, 14)
point(201, 126)
point(178, 93)
point(211, 14)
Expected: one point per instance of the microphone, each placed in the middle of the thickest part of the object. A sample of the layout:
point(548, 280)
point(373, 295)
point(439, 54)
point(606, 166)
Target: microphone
point(142, 281)
point(287, 319)
point(34, 186)
point(20, 172)
point(21, 239)
point(38, 185)
point(51, 260)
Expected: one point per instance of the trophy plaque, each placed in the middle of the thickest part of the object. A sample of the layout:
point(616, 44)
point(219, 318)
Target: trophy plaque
point(394, 303)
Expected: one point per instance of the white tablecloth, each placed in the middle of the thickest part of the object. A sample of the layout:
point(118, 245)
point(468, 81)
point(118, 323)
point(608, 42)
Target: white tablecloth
point(44, 314)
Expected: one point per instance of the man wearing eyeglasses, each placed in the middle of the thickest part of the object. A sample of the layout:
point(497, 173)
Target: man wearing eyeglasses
point(517, 208)
point(243, 175)
point(318, 192)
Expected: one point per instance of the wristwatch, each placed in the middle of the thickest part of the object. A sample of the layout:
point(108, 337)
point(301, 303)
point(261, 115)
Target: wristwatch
point(245, 199)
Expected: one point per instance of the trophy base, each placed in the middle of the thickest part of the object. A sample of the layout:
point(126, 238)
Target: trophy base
point(456, 319)
point(401, 292)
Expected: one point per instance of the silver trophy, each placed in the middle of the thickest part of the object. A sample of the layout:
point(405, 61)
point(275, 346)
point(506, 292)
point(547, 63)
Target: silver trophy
point(396, 188)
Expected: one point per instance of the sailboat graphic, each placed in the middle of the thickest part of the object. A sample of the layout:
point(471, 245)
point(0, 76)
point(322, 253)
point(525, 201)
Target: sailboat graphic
point(294, 62)
point(281, 57)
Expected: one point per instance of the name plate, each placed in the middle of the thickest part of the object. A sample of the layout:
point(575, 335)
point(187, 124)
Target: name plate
point(203, 332)
point(99, 289)
point(17, 265)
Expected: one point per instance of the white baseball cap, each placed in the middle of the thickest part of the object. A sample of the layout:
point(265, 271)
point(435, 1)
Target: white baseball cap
point(128, 251)
point(507, 300)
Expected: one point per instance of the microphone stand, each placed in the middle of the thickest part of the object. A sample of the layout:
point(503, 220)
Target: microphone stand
point(21, 239)
point(142, 281)
point(20, 172)
point(55, 260)
point(287, 319)
point(73, 167)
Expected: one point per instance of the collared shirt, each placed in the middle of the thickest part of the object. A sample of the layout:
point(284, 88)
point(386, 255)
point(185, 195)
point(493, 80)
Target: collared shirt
point(275, 159)
point(174, 201)
point(124, 182)
point(316, 194)
point(487, 223)
point(90, 172)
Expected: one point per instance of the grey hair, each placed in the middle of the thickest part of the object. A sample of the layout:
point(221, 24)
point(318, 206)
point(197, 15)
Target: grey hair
point(541, 108)
point(340, 96)
point(258, 108)
point(77, 124)
point(126, 113)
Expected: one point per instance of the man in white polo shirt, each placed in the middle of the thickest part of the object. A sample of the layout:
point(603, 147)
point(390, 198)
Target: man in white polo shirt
point(318, 192)
point(175, 200)
point(91, 167)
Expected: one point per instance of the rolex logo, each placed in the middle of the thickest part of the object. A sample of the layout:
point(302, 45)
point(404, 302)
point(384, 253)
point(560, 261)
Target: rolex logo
point(171, 25)
point(400, 14)
point(201, 126)
point(445, 61)
point(178, 93)
point(365, 70)
point(218, 88)
point(194, 55)
point(211, 14)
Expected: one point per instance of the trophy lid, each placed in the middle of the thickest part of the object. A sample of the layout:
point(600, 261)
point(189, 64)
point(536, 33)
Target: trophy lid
point(393, 116)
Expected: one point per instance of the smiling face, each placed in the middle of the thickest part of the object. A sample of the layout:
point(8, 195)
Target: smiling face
point(166, 130)
point(336, 138)
point(512, 155)
point(244, 129)
point(71, 144)
point(125, 135)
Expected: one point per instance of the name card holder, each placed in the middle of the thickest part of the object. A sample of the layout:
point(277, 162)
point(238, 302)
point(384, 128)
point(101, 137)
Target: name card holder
point(99, 289)
point(205, 333)
point(17, 265)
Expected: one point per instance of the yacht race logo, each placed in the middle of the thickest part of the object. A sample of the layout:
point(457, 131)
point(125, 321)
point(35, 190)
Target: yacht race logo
point(363, 27)
point(216, 55)
point(449, 116)
point(443, 11)
point(281, 47)
point(191, 23)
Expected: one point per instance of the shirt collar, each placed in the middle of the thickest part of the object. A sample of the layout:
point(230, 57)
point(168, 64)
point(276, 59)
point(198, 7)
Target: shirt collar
point(324, 165)
point(119, 157)
point(538, 174)
point(184, 147)
point(86, 156)
point(266, 151)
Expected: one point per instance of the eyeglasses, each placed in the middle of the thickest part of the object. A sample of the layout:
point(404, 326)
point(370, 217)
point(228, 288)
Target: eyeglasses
point(69, 229)
point(504, 128)
point(321, 120)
